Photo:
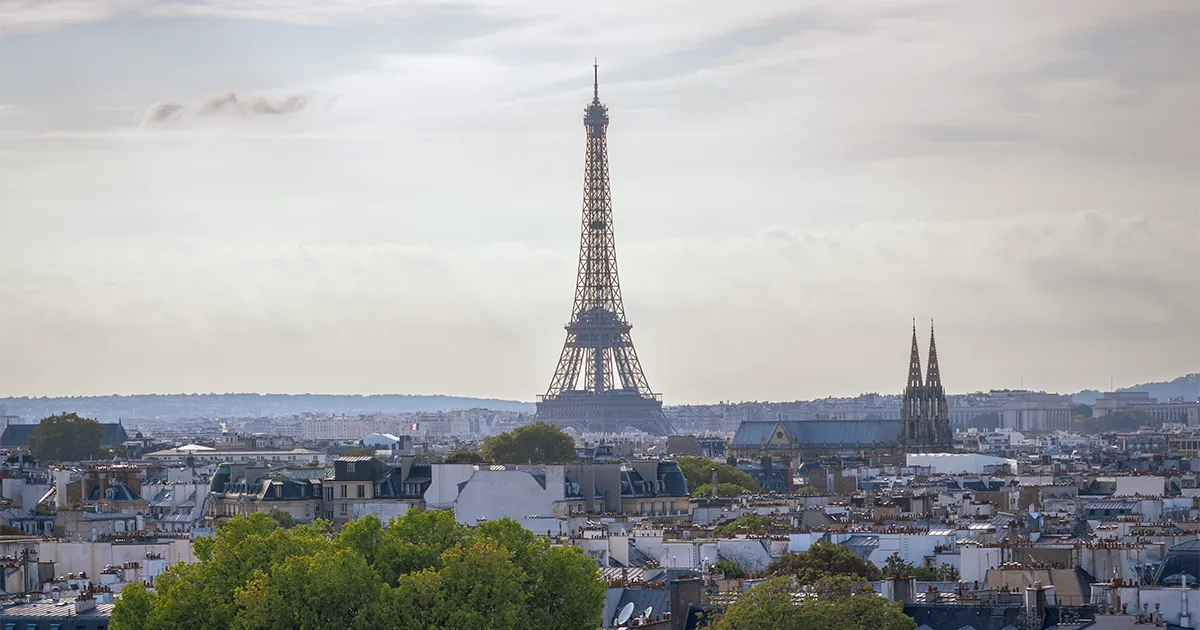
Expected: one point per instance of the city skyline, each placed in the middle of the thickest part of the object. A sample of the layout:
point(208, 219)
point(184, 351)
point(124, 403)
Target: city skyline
point(389, 202)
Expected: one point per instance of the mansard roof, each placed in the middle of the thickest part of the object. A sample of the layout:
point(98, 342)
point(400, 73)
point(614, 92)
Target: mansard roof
point(828, 433)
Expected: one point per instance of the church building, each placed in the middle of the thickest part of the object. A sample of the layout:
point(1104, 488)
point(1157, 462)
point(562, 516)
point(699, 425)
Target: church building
point(924, 425)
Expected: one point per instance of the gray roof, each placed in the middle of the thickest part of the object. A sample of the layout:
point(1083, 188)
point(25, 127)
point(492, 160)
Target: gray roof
point(830, 433)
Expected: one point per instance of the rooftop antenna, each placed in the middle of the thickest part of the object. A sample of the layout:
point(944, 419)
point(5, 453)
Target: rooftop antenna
point(595, 78)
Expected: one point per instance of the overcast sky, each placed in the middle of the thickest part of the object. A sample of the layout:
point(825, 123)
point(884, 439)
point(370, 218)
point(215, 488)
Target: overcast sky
point(372, 196)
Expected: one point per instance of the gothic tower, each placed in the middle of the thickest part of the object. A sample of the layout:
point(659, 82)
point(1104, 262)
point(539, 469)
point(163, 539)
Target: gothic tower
point(599, 385)
point(925, 416)
point(914, 398)
point(937, 413)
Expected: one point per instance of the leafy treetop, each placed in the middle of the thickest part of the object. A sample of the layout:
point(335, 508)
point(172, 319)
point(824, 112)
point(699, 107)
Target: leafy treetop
point(422, 571)
point(66, 437)
point(821, 560)
point(698, 471)
point(537, 443)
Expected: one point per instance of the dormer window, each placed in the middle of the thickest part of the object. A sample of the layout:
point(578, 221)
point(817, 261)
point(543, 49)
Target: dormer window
point(350, 468)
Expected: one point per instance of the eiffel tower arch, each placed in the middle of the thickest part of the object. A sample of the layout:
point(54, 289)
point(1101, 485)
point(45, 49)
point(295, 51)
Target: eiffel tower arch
point(599, 385)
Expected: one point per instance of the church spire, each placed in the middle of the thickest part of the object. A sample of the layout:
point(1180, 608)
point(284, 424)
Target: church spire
point(914, 364)
point(933, 375)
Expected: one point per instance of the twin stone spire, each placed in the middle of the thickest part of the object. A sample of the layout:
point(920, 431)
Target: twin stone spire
point(924, 416)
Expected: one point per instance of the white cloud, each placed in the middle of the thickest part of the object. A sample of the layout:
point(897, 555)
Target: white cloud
point(792, 184)
point(791, 314)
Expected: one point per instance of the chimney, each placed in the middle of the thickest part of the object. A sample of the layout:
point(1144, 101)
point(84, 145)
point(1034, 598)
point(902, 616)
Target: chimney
point(714, 482)
point(682, 594)
point(1035, 601)
point(902, 588)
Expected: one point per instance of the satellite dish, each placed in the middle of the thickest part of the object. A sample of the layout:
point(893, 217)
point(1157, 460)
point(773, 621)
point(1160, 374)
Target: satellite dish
point(624, 615)
point(646, 613)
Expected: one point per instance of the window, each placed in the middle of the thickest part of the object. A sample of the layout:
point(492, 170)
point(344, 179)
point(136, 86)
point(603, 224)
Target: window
point(344, 508)
point(344, 495)
point(362, 491)
point(329, 494)
point(350, 468)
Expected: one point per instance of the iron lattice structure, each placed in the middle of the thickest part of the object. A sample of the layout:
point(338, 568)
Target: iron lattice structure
point(599, 385)
point(925, 417)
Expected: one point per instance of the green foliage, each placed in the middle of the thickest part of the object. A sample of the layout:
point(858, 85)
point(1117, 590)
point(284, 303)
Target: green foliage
point(281, 518)
point(723, 490)
point(807, 491)
point(767, 606)
point(136, 603)
point(537, 443)
point(823, 560)
point(464, 457)
point(698, 472)
point(422, 571)
point(1082, 411)
point(66, 437)
point(840, 603)
point(730, 569)
point(896, 565)
point(752, 524)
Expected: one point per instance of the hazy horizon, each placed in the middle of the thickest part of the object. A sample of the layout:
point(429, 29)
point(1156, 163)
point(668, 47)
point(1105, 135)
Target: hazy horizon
point(390, 200)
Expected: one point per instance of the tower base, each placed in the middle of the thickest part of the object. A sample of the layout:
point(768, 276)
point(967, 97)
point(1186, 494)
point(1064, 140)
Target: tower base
point(607, 412)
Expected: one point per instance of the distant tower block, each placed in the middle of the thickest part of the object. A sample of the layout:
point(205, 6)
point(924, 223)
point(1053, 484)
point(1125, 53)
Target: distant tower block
point(599, 385)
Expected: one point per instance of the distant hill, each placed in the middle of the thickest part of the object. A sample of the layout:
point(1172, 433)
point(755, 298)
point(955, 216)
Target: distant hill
point(175, 406)
point(1186, 387)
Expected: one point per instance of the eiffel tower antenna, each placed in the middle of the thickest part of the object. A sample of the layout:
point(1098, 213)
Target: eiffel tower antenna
point(599, 385)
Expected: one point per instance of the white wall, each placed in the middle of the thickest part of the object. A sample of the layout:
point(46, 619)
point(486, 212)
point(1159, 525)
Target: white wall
point(443, 489)
point(495, 494)
point(976, 561)
point(385, 510)
point(73, 557)
point(1147, 486)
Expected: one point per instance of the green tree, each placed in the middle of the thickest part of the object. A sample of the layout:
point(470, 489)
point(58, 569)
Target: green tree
point(488, 586)
point(1082, 411)
point(752, 524)
point(324, 591)
point(66, 437)
point(767, 606)
point(723, 490)
point(281, 518)
point(136, 603)
point(537, 443)
point(730, 569)
point(838, 603)
point(464, 457)
point(823, 559)
point(422, 571)
point(698, 472)
point(807, 491)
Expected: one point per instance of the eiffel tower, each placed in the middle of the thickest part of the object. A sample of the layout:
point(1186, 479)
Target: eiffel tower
point(599, 386)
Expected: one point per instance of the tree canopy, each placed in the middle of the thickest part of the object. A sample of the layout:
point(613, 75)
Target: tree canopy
point(723, 490)
point(463, 457)
point(537, 443)
point(838, 603)
point(753, 524)
point(66, 437)
point(895, 565)
point(698, 471)
point(822, 560)
point(421, 571)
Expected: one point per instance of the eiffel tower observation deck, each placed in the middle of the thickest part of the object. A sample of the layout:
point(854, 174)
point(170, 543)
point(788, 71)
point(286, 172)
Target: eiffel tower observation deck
point(599, 385)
